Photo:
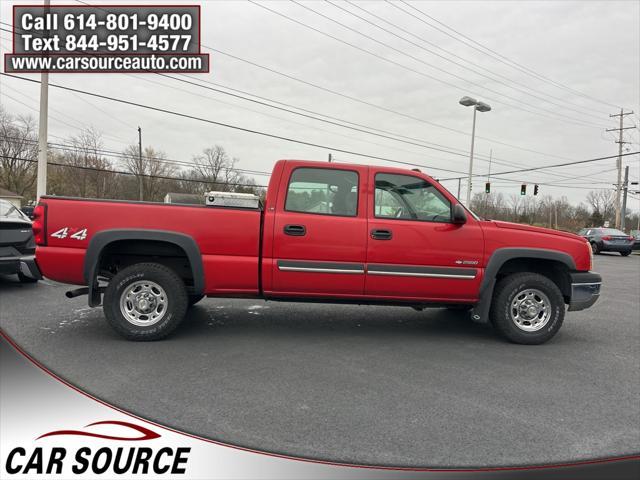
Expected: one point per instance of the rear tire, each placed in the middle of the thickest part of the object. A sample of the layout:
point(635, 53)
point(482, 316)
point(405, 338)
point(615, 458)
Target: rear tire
point(527, 308)
point(145, 302)
point(626, 254)
point(24, 279)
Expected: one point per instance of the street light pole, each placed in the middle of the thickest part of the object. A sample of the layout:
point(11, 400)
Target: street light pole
point(473, 138)
point(477, 107)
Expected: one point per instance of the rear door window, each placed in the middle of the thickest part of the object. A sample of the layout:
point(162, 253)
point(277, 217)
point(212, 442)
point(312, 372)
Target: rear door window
point(324, 191)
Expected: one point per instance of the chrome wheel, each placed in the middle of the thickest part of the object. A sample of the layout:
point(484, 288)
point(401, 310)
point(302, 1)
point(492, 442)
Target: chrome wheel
point(530, 310)
point(143, 303)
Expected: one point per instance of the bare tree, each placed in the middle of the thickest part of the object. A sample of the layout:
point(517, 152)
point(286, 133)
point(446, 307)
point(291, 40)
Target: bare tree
point(215, 167)
point(151, 169)
point(603, 205)
point(515, 201)
point(18, 153)
point(86, 175)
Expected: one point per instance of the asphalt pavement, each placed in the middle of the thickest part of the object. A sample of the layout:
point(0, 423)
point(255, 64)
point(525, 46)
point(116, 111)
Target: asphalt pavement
point(361, 384)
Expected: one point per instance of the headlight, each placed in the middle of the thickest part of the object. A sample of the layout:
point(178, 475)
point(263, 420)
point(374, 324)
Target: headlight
point(590, 256)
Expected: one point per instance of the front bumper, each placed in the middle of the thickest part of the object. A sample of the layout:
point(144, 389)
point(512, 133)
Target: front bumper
point(26, 264)
point(585, 290)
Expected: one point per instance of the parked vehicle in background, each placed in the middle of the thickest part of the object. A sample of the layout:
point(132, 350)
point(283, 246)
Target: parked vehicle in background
point(28, 211)
point(608, 240)
point(17, 245)
point(636, 239)
point(328, 232)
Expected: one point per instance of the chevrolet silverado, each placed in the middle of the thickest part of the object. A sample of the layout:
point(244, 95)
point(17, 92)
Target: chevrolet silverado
point(326, 232)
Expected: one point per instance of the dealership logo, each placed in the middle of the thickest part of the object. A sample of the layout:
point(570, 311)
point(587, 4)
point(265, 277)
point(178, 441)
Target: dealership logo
point(117, 458)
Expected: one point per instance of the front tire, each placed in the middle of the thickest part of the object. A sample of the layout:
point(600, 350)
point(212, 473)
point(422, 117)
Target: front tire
point(145, 302)
point(595, 248)
point(527, 308)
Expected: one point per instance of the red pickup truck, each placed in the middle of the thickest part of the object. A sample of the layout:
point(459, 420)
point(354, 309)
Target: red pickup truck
point(327, 232)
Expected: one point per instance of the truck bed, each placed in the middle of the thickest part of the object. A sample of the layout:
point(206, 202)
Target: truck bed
point(228, 238)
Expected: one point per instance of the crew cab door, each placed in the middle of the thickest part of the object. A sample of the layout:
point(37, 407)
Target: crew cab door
point(414, 251)
point(320, 232)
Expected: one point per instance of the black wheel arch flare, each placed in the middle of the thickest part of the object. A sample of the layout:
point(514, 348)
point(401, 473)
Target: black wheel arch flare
point(105, 237)
point(499, 257)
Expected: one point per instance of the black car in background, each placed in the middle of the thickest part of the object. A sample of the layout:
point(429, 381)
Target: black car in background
point(28, 211)
point(608, 240)
point(17, 245)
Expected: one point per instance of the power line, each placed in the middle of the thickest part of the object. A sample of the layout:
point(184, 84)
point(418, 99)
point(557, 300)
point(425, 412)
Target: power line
point(78, 124)
point(234, 127)
point(497, 56)
point(288, 139)
point(191, 180)
point(444, 150)
point(122, 172)
point(465, 154)
point(123, 156)
point(110, 153)
point(371, 105)
point(347, 152)
point(422, 144)
point(421, 73)
point(466, 63)
point(578, 162)
point(284, 138)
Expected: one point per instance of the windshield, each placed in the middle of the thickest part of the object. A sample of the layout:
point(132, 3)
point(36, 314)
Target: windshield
point(8, 210)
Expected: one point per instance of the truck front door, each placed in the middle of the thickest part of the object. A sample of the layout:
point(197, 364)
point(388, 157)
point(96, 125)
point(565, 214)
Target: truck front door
point(320, 232)
point(414, 250)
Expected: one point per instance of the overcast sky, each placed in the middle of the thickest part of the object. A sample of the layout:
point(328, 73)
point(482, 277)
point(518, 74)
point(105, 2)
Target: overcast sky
point(589, 50)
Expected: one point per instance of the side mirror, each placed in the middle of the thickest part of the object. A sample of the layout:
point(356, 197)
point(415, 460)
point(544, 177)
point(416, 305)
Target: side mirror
point(459, 216)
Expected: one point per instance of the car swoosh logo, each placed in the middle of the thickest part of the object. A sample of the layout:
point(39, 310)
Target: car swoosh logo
point(146, 433)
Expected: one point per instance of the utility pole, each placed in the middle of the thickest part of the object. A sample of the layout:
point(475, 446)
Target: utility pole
point(625, 188)
point(330, 158)
point(459, 188)
point(140, 166)
point(620, 142)
point(41, 181)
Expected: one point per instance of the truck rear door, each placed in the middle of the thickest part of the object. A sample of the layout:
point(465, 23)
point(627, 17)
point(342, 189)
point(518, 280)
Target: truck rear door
point(320, 231)
point(414, 251)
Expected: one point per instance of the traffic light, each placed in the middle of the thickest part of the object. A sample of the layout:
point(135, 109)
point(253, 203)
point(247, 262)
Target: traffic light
point(535, 189)
point(487, 187)
point(523, 189)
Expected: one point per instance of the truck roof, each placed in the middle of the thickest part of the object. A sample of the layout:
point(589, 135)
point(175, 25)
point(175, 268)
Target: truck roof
point(343, 165)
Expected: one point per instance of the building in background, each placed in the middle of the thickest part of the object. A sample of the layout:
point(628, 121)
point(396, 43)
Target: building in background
point(11, 197)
